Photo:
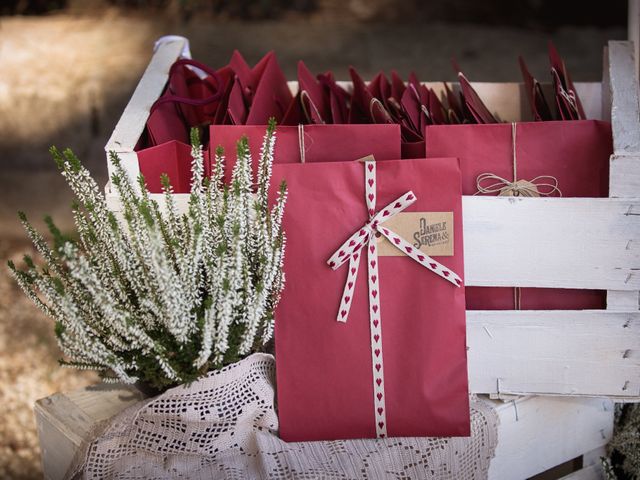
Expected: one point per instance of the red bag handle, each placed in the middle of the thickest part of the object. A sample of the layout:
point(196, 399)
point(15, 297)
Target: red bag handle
point(186, 100)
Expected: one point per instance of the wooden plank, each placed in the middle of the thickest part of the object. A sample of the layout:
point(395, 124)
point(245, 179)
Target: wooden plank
point(624, 175)
point(624, 98)
point(552, 242)
point(132, 122)
point(622, 81)
point(625, 301)
point(592, 472)
point(606, 86)
point(633, 27)
point(542, 242)
point(563, 352)
point(129, 161)
point(538, 433)
point(590, 94)
point(64, 421)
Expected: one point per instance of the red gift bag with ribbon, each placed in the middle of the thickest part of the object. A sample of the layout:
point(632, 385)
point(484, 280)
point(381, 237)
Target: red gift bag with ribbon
point(311, 143)
point(555, 158)
point(370, 330)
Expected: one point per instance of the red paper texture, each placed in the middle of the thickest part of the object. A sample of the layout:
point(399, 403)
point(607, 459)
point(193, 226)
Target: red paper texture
point(172, 158)
point(165, 123)
point(324, 367)
point(575, 152)
point(322, 143)
point(263, 88)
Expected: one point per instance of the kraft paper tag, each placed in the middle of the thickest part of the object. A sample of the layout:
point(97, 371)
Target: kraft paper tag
point(431, 232)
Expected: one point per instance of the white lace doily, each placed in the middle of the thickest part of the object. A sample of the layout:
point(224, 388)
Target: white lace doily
point(224, 426)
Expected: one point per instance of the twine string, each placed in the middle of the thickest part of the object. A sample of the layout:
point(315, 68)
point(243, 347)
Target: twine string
point(542, 185)
point(301, 142)
point(304, 95)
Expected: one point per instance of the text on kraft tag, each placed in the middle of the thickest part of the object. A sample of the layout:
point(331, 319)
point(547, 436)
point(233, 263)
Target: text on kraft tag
point(430, 232)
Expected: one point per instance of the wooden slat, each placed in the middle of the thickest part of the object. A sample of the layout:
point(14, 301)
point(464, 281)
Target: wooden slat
point(537, 433)
point(624, 98)
point(633, 27)
point(591, 466)
point(592, 472)
point(133, 119)
point(542, 242)
point(590, 352)
point(623, 301)
point(622, 81)
point(65, 420)
point(552, 242)
point(624, 176)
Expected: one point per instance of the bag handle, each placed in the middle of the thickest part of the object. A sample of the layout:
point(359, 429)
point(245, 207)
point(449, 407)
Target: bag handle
point(186, 100)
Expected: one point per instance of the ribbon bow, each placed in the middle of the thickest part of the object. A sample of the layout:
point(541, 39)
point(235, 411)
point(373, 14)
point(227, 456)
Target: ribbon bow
point(351, 249)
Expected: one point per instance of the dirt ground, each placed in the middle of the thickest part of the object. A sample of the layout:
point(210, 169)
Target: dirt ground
point(64, 79)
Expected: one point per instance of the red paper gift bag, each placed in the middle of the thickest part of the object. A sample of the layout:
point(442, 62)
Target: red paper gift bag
point(568, 158)
point(370, 345)
point(311, 143)
point(172, 158)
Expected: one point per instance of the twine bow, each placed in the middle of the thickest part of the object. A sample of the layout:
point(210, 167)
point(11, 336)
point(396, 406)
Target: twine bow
point(351, 250)
point(542, 185)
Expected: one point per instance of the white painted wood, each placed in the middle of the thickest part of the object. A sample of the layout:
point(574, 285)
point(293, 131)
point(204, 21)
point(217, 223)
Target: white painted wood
point(624, 98)
point(621, 89)
point(591, 466)
point(633, 27)
point(593, 457)
point(64, 421)
point(538, 433)
point(132, 122)
point(129, 161)
point(542, 242)
point(623, 301)
point(552, 242)
point(181, 200)
point(624, 175)
point(590, 94)
point(563, 352)
point(149, 89)
point(592, 472)
point(622, 83)
point(606, 86)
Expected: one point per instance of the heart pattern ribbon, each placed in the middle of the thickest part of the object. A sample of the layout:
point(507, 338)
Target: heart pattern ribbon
point(366, 238)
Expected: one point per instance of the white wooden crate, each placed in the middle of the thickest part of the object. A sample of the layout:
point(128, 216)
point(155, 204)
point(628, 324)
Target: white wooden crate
point(584, 243)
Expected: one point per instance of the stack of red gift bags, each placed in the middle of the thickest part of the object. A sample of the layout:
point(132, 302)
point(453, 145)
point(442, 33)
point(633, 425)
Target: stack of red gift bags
point(370, 330)
point(560, 153)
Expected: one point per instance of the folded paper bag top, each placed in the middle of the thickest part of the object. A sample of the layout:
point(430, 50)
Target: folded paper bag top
point(263, 89)
point(327, 375)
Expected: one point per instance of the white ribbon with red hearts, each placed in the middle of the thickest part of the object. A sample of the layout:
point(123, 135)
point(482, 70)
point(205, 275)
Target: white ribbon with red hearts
point(367, 236)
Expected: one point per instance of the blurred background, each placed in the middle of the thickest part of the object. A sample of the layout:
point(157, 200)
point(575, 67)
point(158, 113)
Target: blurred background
point(68, 68)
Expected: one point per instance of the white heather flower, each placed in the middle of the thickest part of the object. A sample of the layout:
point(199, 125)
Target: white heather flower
point(139, 293)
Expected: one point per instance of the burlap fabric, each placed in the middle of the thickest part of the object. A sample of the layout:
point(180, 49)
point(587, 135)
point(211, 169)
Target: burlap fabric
point(224, 426)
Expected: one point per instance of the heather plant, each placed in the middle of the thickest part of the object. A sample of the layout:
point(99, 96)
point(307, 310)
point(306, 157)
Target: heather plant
point(154, 295)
